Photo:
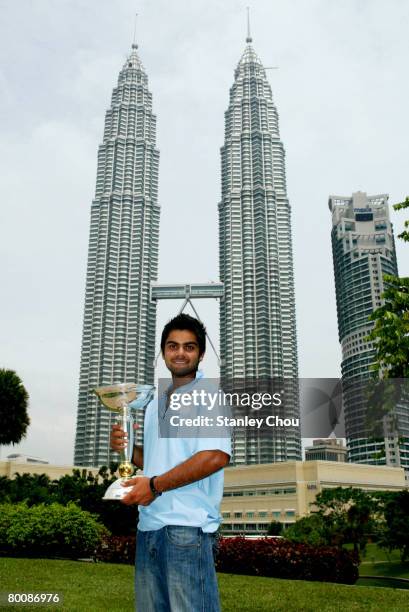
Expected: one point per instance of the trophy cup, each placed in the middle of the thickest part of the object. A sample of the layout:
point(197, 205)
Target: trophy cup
point(124, 399)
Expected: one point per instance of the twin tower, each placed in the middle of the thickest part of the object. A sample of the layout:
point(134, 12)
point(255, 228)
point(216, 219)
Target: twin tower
point(257, 310)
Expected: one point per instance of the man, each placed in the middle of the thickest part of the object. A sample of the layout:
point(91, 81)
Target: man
point(180, 494)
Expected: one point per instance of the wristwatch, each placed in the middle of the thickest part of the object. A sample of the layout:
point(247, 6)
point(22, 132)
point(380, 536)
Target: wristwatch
point(155, 492)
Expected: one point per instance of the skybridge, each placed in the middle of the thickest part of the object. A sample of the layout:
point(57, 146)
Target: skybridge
point(188, 292)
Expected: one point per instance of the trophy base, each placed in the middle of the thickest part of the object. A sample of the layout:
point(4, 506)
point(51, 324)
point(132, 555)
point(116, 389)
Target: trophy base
point(115, 491)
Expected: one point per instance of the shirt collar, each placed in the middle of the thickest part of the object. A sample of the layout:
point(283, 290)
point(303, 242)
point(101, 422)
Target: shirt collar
point(199, 375)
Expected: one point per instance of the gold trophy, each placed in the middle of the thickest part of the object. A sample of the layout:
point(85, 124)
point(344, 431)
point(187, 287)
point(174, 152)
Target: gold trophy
point(124, 399)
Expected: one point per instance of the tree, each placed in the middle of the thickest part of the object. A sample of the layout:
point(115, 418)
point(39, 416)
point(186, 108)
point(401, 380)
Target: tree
point(396, 532)
point(391, 330)
point(390, 335)
point(14, 419)
point(275, 528)
point(405, 234)
point(31, 488)
point(349, 516)
point(307, 530)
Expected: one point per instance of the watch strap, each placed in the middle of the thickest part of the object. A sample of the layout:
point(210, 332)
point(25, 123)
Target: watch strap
point(155, 492)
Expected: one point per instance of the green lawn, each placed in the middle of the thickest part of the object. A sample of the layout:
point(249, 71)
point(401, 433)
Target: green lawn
point(395, 569)
point(374, 554)
point(92, 587)
point(378, 562)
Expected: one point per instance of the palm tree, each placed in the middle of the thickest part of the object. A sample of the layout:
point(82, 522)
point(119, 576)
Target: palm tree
point(14, 419)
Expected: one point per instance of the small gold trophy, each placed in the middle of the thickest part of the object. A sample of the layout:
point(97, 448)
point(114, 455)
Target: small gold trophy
point(124, 399)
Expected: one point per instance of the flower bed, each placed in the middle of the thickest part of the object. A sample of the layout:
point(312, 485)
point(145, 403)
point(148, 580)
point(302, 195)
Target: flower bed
point(283, 559)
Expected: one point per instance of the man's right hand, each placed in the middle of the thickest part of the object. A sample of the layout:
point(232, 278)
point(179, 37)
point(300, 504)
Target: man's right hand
point(118, 438)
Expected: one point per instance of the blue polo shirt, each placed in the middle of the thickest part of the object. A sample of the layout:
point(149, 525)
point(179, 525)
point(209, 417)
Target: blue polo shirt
point(196, 504)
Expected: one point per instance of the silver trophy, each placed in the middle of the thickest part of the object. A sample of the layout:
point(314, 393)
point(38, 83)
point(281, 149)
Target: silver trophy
point(124, 399)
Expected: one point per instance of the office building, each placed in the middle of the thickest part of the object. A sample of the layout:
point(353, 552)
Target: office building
point(330, 449)
point(363, 251)
point(118, 343)
point(257, 314)
point(255, 495)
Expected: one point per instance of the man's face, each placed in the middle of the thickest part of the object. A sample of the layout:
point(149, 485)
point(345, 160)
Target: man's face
point(181, 353)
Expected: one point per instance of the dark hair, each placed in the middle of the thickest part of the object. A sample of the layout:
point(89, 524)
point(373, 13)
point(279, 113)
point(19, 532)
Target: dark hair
point(182, 322)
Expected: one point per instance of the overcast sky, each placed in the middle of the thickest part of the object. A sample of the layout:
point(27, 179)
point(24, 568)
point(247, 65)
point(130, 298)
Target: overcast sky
point(342, 95)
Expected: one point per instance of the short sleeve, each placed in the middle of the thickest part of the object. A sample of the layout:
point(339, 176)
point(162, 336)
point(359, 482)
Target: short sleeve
point(223, 444)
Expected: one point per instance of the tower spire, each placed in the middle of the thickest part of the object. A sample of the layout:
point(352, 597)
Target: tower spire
point(134, 45)
point(248, 39)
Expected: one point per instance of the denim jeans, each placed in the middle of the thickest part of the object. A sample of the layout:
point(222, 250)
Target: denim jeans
point(175, 571)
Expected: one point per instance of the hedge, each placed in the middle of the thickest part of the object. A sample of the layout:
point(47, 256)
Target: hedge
point(48, 530)
point(276, 558)
point(283, 559)
point(117, 549)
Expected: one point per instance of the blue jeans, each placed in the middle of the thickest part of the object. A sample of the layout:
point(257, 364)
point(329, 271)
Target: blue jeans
point(175, 571)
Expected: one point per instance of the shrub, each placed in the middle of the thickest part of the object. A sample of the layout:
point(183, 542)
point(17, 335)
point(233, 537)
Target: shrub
point(82, 488)
point(48, 530)
point(275, 528)
point(307, 530)
point(283, 559)
point(117, 549)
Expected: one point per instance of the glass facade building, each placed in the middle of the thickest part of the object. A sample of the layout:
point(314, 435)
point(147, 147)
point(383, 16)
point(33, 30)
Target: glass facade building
point(363, 251)
point(118, 341)
point(257, 313)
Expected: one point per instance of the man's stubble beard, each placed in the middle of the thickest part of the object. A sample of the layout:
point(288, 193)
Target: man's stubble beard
point(184, 372)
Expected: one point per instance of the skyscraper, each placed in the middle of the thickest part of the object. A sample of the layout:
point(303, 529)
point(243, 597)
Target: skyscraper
point(363, 251)
point(118, 342)
point(257, 314)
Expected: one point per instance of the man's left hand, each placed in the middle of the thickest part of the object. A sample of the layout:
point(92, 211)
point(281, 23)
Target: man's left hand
point(140, 493)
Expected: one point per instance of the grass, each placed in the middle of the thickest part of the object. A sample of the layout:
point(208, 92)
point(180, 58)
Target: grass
point(95, 587)
point(378, 562)
point(84, 586)
point(395, 570)
point(250, 594)
point(375, 554)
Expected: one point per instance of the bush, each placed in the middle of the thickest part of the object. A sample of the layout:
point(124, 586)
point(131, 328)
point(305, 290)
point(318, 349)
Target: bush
point(275, 528)
point(117, 549)
point(307, 530)
point(283, 559)
point(82, 488)
point(48, 530)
